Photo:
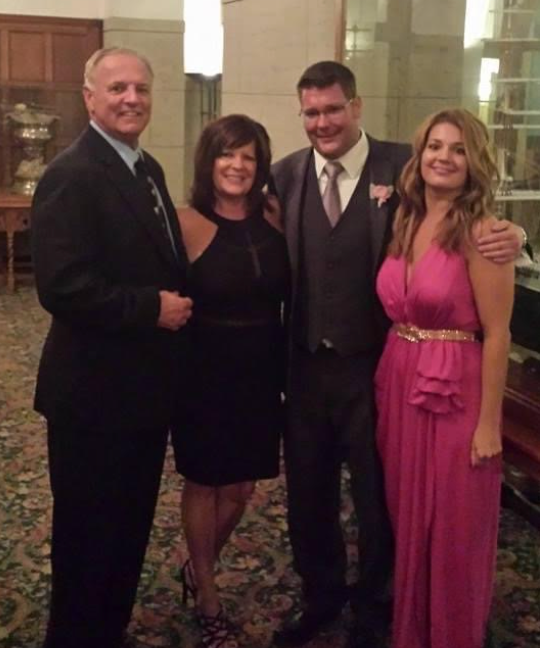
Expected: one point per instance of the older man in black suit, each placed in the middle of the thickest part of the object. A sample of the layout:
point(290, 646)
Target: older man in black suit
point(338, 199)
point(110, 267)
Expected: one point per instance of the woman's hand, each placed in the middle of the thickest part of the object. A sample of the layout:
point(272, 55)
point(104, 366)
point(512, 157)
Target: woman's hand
point(486, 444)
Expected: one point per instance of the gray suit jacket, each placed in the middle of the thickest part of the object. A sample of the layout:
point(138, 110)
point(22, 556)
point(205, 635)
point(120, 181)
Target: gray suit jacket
point(386, 161)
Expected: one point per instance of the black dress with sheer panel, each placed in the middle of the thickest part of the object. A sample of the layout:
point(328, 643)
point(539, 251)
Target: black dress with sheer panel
point(230, 427)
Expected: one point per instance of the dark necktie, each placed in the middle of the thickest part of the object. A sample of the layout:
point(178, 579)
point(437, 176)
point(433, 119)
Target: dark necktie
point(330, 197)
point(145, 181)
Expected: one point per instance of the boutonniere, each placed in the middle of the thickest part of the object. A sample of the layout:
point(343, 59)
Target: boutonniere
point(380, 192)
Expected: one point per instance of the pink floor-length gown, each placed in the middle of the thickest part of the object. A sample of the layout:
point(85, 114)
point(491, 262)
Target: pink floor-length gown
point(444, 512)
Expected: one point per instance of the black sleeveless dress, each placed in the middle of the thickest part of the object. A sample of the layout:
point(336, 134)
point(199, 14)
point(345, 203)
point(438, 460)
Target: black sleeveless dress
point(230, 427)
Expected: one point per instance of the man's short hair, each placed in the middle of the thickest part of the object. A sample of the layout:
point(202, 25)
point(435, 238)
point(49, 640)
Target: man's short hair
point(104, 52)
point(326, 73)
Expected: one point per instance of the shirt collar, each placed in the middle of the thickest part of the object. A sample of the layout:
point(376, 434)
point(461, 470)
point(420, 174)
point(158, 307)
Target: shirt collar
point(129, 155)
point(353, 160)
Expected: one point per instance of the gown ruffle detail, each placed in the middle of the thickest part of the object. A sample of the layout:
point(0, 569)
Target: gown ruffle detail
point(437, 386)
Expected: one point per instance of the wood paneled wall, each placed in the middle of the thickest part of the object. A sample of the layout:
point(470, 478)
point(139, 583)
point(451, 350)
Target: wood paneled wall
point(42, 61)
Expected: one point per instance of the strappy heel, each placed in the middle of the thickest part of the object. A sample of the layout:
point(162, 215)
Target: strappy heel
point(189, 589)
point(216, 631)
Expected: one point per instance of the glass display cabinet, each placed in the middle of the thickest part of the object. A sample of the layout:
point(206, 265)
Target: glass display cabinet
point(513, 114)
point(41, 59)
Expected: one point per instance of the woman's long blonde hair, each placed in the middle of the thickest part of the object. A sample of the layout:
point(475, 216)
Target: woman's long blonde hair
point(475, 201)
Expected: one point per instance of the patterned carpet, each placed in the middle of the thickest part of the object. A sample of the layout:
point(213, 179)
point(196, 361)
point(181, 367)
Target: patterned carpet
point(258, 585)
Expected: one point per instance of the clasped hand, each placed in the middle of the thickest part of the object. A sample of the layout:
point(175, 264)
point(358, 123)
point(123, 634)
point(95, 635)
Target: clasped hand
point(174, 310)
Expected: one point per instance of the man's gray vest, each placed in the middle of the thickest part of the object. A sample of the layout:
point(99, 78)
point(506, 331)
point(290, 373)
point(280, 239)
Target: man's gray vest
point(336, 299)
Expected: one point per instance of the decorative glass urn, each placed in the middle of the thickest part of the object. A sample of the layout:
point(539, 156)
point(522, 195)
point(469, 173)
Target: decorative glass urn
point(31, 127)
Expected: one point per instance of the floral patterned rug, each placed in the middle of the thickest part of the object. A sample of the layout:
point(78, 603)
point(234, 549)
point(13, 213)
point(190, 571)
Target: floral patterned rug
point(257, 583)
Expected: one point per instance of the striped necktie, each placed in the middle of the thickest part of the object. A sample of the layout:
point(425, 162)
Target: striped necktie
point(147, 184)
point(330, 197)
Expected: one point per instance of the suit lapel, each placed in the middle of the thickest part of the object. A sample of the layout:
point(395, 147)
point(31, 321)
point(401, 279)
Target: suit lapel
point(136, 199)
point(380, 173)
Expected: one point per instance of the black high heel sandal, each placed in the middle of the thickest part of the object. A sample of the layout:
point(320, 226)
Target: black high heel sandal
point(189, 589)
point(216, 631)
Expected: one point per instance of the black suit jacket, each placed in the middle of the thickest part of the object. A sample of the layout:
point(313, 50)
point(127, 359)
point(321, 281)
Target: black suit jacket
point(100, 257)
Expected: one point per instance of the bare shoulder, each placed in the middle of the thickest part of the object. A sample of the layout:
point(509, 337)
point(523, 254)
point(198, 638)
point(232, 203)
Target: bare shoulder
point(480, 228)
point(484, 225)
point(191, 219)
point(197, 231)
point(273, 214)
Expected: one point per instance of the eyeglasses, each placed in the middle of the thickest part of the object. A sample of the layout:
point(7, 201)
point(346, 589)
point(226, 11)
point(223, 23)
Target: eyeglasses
point(332, 113)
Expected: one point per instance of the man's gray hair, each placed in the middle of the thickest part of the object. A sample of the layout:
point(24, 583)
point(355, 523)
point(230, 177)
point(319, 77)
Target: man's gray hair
point(104, 52)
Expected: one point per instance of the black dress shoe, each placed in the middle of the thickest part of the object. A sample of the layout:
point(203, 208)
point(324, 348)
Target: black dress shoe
point(372, 614)
point(306, 627)
point(491, 640)
point(364, 637)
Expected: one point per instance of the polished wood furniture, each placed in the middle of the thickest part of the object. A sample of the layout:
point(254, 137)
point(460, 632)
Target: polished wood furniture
point(522, 418)
point(521, 438)
point(14, 217)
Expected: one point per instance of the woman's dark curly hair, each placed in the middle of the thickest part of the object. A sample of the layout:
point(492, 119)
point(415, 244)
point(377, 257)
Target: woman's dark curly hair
point(229, 133)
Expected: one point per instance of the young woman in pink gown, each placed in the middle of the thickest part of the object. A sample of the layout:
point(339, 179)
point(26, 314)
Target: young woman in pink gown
point(440, 385)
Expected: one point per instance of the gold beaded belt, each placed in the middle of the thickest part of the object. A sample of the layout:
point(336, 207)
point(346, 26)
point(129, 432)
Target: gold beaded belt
point(414, 334)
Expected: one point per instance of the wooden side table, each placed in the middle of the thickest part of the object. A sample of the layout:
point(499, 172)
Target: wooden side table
point(14, 217)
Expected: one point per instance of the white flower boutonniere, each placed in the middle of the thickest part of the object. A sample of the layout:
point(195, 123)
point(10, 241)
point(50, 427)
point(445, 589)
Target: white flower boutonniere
point(380, 192)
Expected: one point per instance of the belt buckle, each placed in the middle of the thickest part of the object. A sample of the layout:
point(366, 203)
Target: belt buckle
point(412, 334)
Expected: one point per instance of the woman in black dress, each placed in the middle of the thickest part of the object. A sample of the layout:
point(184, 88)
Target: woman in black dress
point(229, 435)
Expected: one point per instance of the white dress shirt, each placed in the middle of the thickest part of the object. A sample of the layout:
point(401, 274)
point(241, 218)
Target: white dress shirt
point(353, 164)
point(129, 155)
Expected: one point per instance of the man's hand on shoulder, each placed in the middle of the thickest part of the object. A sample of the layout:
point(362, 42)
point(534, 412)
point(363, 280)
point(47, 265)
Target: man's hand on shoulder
point(174, 310)
point(502, 243)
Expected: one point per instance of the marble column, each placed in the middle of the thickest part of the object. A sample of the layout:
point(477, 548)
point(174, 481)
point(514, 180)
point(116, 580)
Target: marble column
point(408, 59)
point(267, 47)
point(162, 42)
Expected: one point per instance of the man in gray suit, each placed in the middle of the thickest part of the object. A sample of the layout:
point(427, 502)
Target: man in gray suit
point(338, 199)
